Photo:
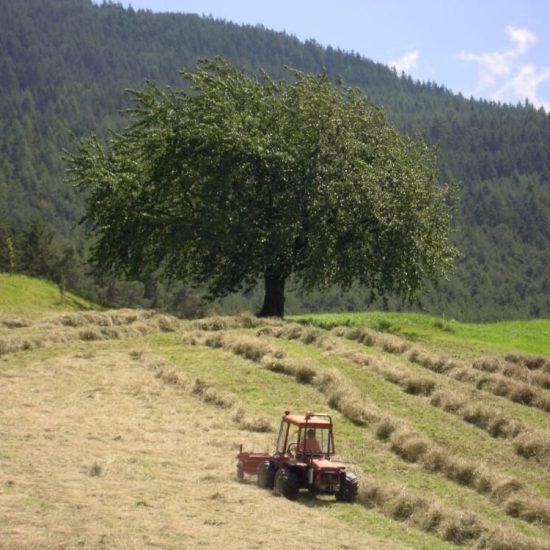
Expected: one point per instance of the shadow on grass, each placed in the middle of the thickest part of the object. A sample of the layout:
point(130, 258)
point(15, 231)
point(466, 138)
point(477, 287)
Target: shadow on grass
point(305, 498)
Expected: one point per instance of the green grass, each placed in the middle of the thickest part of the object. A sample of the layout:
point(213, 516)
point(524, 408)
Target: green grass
point(27, 296)
point(532, 336)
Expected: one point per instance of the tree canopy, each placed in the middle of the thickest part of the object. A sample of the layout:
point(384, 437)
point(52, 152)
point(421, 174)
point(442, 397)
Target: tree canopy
point(237, 178)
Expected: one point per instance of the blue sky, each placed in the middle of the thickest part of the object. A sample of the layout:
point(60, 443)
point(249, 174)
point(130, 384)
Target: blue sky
point(495, 49)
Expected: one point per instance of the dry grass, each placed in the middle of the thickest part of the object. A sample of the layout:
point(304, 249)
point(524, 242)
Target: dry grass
point(341, 395)
point(217, 397)
point(471, 410)
point(154, 455)
point(13, 321)
point(131, 461)
point(492, 382)
point(414, 384)
point(244, 320)
point(294, 331)
point(533, 444)
point(514, 370)
point(386, 342)
point(495, 378)
point(528, 442)
point(86, 326)
point(428, 514)
point(532, 362)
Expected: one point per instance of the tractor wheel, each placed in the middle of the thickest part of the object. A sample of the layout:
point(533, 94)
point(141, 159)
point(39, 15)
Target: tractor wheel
point(348, 489)
point(287, 484)
point(266, 475)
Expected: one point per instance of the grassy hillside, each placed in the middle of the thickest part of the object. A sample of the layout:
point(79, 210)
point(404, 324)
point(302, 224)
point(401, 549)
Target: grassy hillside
point(120, 428)
point(22, 295)
point(531, 336)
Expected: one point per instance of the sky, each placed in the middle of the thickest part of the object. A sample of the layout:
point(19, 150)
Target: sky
point(492, 49)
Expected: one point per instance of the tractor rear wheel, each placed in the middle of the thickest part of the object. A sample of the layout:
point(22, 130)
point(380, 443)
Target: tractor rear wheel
point(287, 483)
point(349, 488)
point(266, 475)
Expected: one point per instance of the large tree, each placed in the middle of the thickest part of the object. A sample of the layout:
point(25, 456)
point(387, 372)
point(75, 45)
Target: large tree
point(236, 178)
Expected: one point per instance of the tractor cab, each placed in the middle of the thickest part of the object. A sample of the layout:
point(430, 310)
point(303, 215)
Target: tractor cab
point(305, 436)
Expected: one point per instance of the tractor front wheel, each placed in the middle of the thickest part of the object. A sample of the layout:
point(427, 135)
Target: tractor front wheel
point(287, 483)
point(349, 488)
point(266, 475)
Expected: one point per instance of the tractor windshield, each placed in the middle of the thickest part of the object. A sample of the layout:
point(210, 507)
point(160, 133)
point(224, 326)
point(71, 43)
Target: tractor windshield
point(297, 436)
point(316, 441)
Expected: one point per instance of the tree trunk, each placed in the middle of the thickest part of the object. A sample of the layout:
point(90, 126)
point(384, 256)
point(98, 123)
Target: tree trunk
point(274, 300)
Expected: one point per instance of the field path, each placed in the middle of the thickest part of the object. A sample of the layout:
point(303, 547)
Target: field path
point(96, 451)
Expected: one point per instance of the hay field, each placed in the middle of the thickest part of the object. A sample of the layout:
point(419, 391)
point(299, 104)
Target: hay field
point(103, 445)
point(119, 430)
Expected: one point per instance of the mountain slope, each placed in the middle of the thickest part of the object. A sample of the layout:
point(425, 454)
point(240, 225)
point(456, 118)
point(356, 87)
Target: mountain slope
point(64, 66)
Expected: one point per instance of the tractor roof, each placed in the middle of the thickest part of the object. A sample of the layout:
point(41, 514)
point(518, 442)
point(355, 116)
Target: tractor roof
point(309, 419)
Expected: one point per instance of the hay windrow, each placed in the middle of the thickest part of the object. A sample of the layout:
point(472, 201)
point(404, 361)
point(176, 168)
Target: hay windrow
point(528, 442)
point(404, 440)
point(483, 378)
point(514, 370)
point(87, 326)
point(430, 515)
point(470, 410)
point(341, 395)
point(219, 323)
point(483, 374)
point(213, 395)
point(533, 444)
point(532, 362)
point(14, 322)
point(494, 423)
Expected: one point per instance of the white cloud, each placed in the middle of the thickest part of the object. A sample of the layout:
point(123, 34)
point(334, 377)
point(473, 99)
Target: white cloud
point(522, 38)
point(524, 85)
point(407, 63)
point(503, 77)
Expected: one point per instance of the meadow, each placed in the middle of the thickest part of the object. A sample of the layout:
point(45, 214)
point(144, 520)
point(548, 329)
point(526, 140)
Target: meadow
point(120, 427)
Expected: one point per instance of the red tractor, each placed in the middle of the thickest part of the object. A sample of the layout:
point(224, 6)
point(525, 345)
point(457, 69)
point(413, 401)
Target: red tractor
point(302, 460)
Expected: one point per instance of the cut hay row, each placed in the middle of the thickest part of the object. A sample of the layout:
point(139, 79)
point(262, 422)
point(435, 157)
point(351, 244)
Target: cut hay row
point(244, 320)
point(528, 442)
point(116, 318)
point(463, 528)
point(402, 439)
point(341, 394)
point(532, 362)
point(13, 321)
point(517, 371)
point(87, 326)
point(214, 396)
point(495, 383)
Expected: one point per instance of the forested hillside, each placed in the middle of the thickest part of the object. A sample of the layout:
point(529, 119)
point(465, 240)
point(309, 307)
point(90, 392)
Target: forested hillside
point(64, 68)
